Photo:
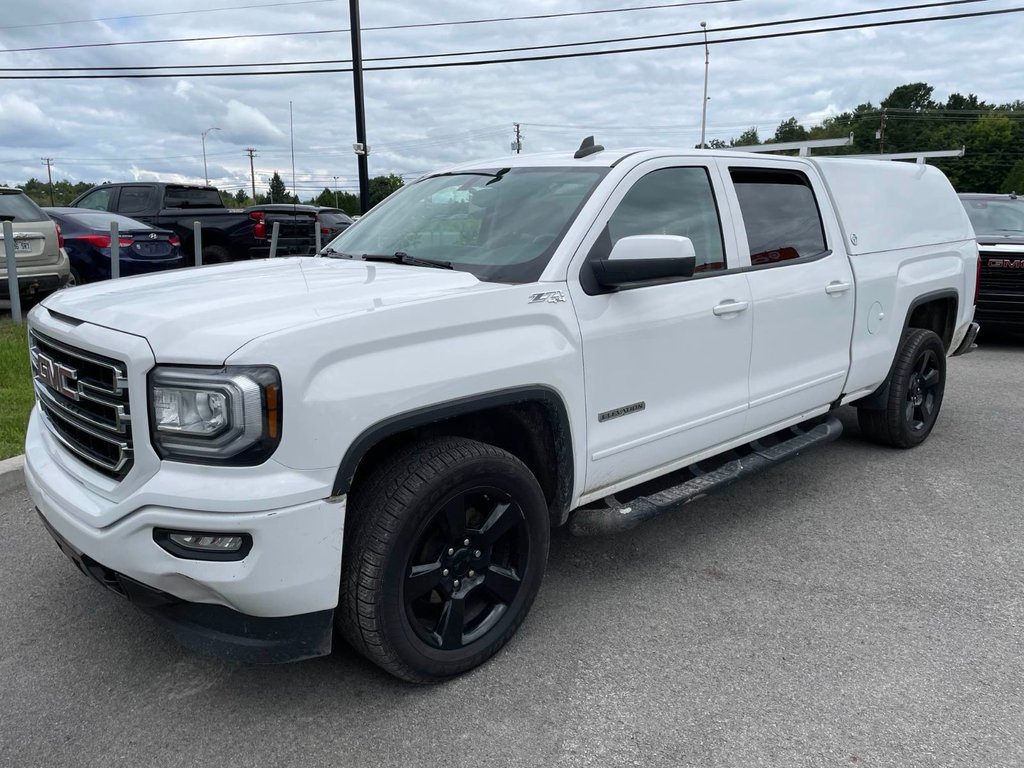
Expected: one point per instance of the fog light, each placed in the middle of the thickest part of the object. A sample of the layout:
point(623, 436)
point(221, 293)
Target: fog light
point(204, 545)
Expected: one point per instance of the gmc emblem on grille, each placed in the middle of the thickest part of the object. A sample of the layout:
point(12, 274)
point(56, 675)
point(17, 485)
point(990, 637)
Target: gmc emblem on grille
point(57, 376)
point(1014, 264)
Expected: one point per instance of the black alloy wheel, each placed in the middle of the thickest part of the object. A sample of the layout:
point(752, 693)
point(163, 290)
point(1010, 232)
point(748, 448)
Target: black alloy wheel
point(916, 385)
point(924, 391)
point(466, 567)
point(445, 546)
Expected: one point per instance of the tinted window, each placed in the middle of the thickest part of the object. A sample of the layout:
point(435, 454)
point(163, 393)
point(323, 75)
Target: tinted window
point(191, 197)
point(334, 218)
point(990, 216)
point(673, 201)
point(20, 207)
point(134, 199)
point(779, 213)
point(96, 201)
point(102, 221)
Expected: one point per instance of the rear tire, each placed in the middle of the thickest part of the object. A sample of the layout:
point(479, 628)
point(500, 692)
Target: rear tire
point(215, 254)
point(916, 386)
point(445, 548)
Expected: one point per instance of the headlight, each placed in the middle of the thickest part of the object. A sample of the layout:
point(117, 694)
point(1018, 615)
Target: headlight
point(229, 415)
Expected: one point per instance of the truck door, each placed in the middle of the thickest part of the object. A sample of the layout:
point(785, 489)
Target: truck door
point(665, 365)
point(802, 287)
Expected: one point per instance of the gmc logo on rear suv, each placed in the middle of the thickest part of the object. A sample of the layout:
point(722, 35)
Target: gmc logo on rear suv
point(1013, 264)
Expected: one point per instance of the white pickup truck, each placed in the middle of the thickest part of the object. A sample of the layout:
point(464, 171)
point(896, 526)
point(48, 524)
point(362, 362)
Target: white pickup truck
point(378, 440)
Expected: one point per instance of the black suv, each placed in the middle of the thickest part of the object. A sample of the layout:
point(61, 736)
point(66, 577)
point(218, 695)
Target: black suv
point(999, 225)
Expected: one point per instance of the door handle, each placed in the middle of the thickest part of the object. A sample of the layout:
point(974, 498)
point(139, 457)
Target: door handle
point(836, 287)
point(730, 307)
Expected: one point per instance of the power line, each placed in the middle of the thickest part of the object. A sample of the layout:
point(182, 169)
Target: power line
point(164, 13)
point(544, 57)
point(605, 41)
point(459, 22)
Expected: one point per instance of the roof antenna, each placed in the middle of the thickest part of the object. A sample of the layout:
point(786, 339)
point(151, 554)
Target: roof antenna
point(587, 147)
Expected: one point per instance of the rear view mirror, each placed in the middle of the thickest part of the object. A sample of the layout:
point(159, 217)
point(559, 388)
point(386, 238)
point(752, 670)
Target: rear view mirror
point(643, 258)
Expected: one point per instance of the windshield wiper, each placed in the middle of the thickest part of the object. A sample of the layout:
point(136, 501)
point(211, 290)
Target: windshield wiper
point(401, 257)
point(333, 253)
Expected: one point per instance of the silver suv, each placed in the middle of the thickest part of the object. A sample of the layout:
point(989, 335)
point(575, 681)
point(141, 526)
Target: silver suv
point(42, 264)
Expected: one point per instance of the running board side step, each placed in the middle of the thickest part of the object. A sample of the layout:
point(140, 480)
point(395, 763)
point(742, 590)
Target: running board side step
point(613, 516)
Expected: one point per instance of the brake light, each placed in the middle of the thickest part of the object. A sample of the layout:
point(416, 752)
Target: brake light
point(260, 228)
point(103, 241)
point(325, 230)
point(60, 236)
point(174, 240)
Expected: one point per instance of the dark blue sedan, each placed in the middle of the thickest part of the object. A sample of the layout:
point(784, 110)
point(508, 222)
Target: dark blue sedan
point(86, 233)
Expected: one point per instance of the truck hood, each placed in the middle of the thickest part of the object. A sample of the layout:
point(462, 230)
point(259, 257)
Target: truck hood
point(202, 315)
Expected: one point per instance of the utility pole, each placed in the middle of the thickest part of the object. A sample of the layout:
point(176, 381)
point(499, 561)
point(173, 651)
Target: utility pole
point(518, 145)
point(357, 81)
point(252, 171)
point(336, 192)
point(48, 162)
point(881, 135)
point(704, 103)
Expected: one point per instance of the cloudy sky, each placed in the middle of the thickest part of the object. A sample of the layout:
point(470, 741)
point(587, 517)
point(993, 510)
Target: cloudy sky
point(420, 119)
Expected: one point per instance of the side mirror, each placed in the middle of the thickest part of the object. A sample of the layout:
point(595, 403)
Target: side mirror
point(642, 258)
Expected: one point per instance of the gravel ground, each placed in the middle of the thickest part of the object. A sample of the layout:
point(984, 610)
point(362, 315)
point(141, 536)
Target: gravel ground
point(858, 606)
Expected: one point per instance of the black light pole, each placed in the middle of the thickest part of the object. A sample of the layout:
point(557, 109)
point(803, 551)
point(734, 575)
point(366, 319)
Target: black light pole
point(357, 81)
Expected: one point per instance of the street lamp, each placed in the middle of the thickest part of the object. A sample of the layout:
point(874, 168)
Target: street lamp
point(206, 174)
point(336, 192)
point(704, 104)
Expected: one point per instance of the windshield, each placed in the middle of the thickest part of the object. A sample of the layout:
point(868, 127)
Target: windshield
point(192, 197)
point(991, 216)
point(502, 225)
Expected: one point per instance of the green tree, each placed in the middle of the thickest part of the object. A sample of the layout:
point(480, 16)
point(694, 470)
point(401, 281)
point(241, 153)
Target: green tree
point(748, 138)
point(241, 198)
point(1014, 181)
point(382, 186)
point(278, 191)
point(790, 130)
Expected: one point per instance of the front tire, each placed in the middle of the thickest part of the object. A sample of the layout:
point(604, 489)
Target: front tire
point(916, 386)
point(445, 549)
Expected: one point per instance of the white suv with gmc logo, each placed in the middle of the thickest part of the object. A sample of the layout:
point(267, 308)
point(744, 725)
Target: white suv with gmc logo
point(377, 441)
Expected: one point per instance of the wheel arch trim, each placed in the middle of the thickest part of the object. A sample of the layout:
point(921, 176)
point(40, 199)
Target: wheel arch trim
point(430, 414)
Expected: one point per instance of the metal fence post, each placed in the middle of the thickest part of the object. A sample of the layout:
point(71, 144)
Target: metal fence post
point(319, 241)
point(273, 239)
point(115, 251)
point(197, 242)
point(12, 272)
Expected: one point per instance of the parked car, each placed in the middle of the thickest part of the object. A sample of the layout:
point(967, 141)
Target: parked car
point(229, 234)
point(999, 225)
point(87, 241)
point(378, 441)
point(332, 223)
point(42, 264)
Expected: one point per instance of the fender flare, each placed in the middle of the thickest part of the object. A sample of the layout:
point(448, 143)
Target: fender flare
point(420, 417)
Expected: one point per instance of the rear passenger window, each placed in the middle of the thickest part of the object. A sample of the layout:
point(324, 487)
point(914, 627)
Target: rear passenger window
point(672, 201)
point(134, 199)
point(780, 215)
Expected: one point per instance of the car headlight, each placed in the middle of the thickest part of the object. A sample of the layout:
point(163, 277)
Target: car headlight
point(229, 415)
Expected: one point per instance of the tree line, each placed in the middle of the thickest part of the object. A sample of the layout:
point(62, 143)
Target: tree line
point(909, 119)
point(65, 191)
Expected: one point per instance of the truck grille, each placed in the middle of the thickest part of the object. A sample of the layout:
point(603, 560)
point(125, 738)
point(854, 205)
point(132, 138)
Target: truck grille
point(84, 399)
point(1002, 271)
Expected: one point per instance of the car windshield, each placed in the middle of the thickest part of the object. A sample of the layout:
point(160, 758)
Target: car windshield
point(992, 216)
point(500, 224)
point(15, 206)
point(100, 220)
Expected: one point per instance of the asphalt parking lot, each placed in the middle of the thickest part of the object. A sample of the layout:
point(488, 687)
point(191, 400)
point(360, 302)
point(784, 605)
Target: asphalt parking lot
point(859, 606)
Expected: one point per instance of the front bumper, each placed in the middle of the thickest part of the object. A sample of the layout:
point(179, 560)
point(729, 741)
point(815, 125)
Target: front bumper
point(214, 630)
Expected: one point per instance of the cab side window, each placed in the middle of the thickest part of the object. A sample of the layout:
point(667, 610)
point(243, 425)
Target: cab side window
point(96, 201)
point(672, 201)
point(780, 215)
point(134, 199)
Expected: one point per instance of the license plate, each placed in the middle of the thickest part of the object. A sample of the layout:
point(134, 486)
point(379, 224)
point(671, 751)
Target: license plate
point(22, 246)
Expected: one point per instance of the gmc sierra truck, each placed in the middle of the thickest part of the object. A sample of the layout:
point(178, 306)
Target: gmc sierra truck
point(377, 441)
point(999, 225)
